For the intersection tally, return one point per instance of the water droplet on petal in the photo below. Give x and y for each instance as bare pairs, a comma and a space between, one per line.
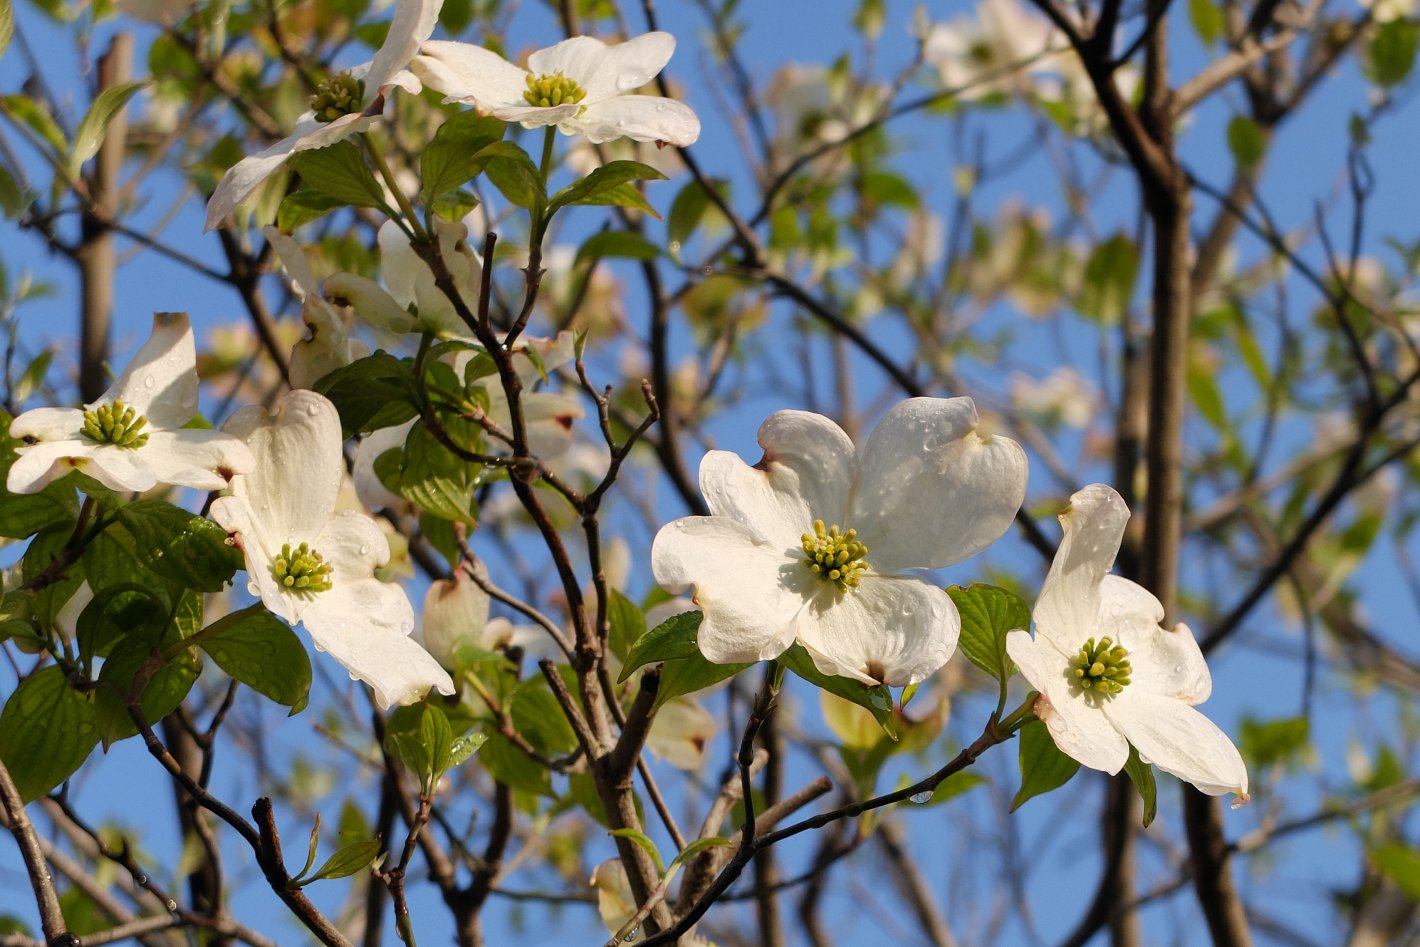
150, 382
364, 550
631, 80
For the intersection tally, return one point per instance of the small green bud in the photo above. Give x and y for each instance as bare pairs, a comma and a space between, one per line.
339, 95
117, 424
1101, 668
302, 569
546, 91
835, 556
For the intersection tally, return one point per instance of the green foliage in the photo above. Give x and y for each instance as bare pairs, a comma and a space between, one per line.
340, 171
1110, 274
512, 173
186, 549
1141, 774
1247, 142
136, 668
1043, 766
256, 648
607, 186
1264, 743
688, 211
988, 613
421, 737
47, 730
684, 669
1207, 19
876, 698
1401, 865
617, 243
92, 128
628, 624
304, 206
346, 860
447, 164
1391, 55
373, 392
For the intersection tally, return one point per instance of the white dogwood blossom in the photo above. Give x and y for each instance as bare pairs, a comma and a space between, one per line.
810, 543
345, 104
132, 438
580, 85
312, 565
1108, 674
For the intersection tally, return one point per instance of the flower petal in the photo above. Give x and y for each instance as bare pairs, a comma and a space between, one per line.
805, 474
48, 424
365, 626
1179, 740
638, 117
247, 174
160, 381
932, 491
373, 494
413, 23
203, 460
679, 734
894, 630
455, 616
606, 71
469, 73
370, 301
293, 261
1068, 610
1078, 727
749, 590
233, 514
1164, 662
39, 465
292, 487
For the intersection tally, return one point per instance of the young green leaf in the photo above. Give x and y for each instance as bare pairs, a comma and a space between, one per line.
94, 125
47, 730
346, 861
340, 171
255, 647
671, 640
370, 393
1110, 273
602, 181
646, 845
1043, 766
1141, 774
988, 614
628, 624
447, 163
878, 699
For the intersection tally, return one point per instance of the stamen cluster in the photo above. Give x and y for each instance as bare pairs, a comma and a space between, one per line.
117, 424
302, 569
1101, 667
546, 91
339, 95
835, 556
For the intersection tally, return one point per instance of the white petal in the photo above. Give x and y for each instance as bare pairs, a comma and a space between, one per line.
48, 424
894, 630
234, 515
38, 465
373, 494
534, 116
1179, 740
203, 460
118, 468
470, 73
160, 381
365, 626
1068, 610
326, 348
247, 174
292, 488
638, 117
606, 71
370, 301
750, 592
455, 614
1079, 729
293, 261
805, 474
932, 491
680, 733
413, 23
1164, 662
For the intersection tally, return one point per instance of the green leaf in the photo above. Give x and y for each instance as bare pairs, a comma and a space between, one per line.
644, 843
23, 515
602, 181
513, 768
370, 393
617, 243
339, 170
15, 199
1265, 743
255, 647
988, 613
167, 684
695, 673
1110, 273
7, 25
512, 172
539, 718
1141, 774
175, 544
687, 211
428, 475
447, 163
304, 206
1246, 141
345, 862
671, 640
463, 748
115, 612
628, 624
92, 128
622, 195
1401, 864
1391, 56
1207, 20
1043, 766
877, 699
29, 111
420, 736
47, 730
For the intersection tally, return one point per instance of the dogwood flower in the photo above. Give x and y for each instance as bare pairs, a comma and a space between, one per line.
345, 104
329, 345
579, 85
312, 565
809, 543
132, 438
1108, 674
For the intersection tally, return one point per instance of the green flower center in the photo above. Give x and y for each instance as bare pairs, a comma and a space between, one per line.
302, 569
548, 90
1101, 668
117, 424
339, 95
834, 555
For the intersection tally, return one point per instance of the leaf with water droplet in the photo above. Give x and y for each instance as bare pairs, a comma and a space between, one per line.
877, 699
